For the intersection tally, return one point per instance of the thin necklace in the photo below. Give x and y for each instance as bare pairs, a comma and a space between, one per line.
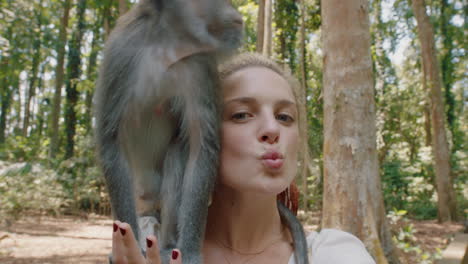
229, 262
253, 254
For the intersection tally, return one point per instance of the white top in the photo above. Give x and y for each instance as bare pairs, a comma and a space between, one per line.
332, 246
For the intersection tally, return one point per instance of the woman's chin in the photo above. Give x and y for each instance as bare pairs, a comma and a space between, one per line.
273, 186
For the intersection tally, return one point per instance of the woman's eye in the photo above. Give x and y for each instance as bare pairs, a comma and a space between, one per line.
285, 118
240, 116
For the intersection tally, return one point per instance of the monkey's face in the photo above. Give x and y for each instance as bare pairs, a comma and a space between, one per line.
214, 22
260, 134
225, 23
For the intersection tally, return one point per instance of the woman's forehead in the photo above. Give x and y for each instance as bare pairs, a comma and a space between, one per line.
254, 80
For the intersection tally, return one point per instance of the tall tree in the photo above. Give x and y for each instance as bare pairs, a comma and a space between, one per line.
6, 93
91, 68
267, 37
5, 90
73, 77
446, 194
37, 42
448, 69
303, 79
260, 25
59, 74
42, 106
352, 198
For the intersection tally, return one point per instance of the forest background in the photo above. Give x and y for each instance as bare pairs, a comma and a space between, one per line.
49, 58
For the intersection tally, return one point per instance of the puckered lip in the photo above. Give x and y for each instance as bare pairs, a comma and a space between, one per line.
272, 155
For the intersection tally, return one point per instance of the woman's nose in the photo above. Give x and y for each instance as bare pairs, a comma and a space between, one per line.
269, 130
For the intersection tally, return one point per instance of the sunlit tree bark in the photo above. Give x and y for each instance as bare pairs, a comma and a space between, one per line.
352, 198
446, 194
267, 39
59, 74
260, 25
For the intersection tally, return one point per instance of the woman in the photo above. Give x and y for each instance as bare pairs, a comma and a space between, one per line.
263, 127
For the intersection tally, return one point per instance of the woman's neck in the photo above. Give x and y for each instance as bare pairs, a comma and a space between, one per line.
245, 222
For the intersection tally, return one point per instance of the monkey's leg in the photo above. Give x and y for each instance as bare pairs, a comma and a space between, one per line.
173, 171
297, 232
197, 188
119, 184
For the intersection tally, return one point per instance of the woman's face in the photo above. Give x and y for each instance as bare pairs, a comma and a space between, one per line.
260, 132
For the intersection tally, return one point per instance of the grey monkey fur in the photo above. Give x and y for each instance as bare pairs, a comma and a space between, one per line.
157, 108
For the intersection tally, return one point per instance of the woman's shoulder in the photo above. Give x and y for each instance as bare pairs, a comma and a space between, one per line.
335, 246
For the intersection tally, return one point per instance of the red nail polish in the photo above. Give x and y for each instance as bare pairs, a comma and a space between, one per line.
122, 231
175, 254
149, 243
115, 227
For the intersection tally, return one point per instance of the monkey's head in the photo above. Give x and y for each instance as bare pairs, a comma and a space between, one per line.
214, 24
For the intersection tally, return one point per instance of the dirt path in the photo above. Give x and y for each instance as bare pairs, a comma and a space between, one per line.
56, 240
66, 239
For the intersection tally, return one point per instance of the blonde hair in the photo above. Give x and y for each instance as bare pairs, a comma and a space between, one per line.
246, 60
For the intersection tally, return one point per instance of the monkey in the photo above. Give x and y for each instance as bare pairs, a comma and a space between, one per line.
157, 115
157, 111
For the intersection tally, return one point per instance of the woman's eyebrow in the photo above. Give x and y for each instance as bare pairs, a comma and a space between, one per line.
285, 103
242, 100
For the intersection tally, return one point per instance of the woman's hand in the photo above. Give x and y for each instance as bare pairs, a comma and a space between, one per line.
125, 249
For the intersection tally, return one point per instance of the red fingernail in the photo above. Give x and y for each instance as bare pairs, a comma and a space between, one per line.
122, 231
175, 254
115, 227
149, 243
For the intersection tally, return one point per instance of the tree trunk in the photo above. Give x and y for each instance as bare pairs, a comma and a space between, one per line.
123, 7
91, 71
267, 39
107, 19
73, 77
5, 101
448, 69
352, 198
260, 25
446, 195
427, 112
35, 65
303, 80
42, 105
59, 72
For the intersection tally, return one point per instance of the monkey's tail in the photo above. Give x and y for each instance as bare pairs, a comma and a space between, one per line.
297, 232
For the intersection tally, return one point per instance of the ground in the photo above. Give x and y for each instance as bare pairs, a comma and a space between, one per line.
72, 239
63, 239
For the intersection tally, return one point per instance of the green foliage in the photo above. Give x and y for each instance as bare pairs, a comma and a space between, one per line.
249, 11
410, 186
286, 21
82, 180
395, 185
404, 238
73, 185
25, 187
